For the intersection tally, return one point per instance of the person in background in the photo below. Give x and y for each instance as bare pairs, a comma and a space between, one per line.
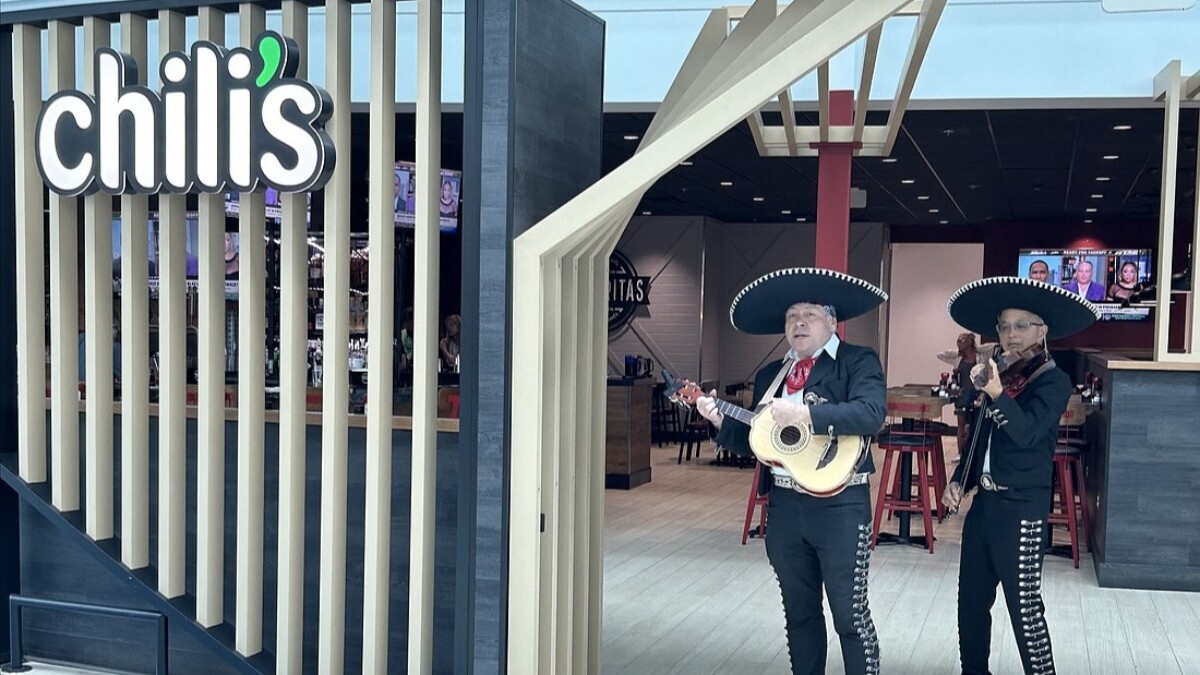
1127, 283
1039, 270
449, 346
406, 340
449, 202
1011, 462
1083, 284
966, 405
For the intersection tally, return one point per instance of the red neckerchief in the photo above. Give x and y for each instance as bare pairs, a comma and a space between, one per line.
799, 375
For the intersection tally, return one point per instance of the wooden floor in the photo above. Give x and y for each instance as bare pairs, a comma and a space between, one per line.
682, 595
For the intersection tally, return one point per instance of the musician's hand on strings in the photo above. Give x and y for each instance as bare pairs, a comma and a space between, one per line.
707, 407
789, 414
952, 497
993, 388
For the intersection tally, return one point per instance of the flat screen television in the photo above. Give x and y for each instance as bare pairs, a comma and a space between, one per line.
405, 186
1110, 278
192, 254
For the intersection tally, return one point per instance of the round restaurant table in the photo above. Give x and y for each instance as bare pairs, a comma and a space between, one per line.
909, 394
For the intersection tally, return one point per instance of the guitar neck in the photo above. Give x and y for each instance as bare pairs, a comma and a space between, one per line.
736, 412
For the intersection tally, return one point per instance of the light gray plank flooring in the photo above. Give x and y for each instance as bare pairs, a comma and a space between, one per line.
682, 595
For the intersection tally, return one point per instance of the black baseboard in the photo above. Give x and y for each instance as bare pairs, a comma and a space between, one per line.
622, 481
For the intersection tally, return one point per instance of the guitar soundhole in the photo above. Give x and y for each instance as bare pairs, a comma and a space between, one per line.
790, 435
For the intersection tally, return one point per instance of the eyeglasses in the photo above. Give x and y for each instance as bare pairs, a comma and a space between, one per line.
1019, 327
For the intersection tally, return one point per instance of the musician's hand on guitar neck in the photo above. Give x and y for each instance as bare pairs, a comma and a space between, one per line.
707, 407
789, 414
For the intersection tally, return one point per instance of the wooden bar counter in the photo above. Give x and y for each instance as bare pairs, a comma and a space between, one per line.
627, 441
1142, 470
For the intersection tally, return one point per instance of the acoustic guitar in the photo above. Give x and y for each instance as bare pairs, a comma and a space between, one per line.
821, 465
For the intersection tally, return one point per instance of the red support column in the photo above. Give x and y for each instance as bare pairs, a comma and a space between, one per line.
833, 188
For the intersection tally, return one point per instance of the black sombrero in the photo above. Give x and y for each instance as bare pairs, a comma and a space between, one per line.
760, 308
977, 305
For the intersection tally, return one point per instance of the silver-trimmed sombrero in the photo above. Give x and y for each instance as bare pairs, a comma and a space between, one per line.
976, 305
760, 307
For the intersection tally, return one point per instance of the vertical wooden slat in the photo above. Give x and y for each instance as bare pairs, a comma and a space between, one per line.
172, 396
335, 393
97, 269
293, 333
135, 346
1167, 81
210, 423
31, 241
381, 215
64, 304
425, 315
598, 414
252, 337
551, 457
565, 557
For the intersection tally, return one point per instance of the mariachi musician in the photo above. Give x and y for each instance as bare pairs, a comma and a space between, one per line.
1010, 460
838, 388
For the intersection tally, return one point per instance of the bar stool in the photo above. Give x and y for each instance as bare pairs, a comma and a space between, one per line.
693, 436
759, 501
920, 443
1070, 487
937, 463
664, 416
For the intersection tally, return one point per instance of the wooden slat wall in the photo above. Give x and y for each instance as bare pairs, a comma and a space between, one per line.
64, 302
171, 431
252, 336
380, 172
293, 332
425, 320
210, 436
97, 288
336, 383
135, 346
172, 397
31, 239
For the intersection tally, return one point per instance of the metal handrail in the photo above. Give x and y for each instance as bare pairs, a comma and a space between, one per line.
16, 602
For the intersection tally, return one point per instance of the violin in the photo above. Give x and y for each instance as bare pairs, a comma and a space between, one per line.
1016, 369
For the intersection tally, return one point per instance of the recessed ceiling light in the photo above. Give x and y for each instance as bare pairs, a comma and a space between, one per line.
1112, 157
908, 181
630, 137
686, 162
922, 197
801, 220
645, 213
786, 212
726, 183
1090, 209
1122, 127
1102, 178
944, 222
889, 160
933, 210
758, 199
1097, 196
1087, 220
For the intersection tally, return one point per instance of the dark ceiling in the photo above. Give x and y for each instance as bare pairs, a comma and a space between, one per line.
971, 166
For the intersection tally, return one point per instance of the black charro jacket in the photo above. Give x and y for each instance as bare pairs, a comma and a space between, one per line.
1024, 431
856, 394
